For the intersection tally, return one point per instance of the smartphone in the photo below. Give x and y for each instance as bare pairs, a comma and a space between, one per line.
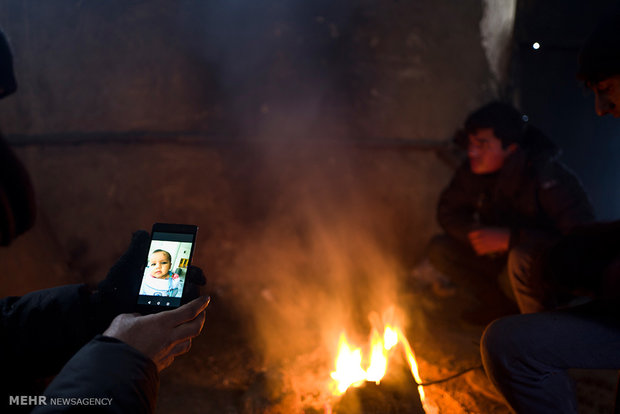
165, 270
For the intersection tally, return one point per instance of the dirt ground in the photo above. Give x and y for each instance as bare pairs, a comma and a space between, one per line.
223, 373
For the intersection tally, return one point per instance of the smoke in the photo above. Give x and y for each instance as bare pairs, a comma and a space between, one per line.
312, 265
318, 263
271, 58
319, 258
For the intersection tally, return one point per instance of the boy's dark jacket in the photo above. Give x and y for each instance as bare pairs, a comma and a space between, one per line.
533, 194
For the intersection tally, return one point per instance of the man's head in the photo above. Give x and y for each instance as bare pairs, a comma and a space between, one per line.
494, 132
599, 65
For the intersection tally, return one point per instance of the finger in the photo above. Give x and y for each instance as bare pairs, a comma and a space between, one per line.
188, 330
196, 276
164, 363
186, 312
181, 348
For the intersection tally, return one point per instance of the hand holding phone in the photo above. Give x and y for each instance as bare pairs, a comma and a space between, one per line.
164, 336
164, 280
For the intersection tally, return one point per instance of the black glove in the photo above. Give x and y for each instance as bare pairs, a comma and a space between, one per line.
118, 292
194, 279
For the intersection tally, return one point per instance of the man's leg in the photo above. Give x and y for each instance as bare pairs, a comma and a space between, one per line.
458, 260
526, 356
526, 280
474, 274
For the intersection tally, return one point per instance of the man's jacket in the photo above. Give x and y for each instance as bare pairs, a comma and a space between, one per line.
52, 335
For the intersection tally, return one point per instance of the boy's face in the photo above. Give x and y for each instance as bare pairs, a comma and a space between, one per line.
607, 96
485, 152
159, 265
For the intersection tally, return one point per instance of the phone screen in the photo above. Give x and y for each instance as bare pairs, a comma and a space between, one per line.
165, 271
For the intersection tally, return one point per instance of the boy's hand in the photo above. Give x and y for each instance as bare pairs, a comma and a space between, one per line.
489, 240
161, 336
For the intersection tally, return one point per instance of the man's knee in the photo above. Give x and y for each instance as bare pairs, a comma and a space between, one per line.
500, 343
520, 259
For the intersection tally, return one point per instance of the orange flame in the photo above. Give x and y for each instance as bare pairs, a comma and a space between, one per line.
350, 373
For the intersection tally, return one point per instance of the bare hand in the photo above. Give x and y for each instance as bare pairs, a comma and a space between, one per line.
489, 240
161, 336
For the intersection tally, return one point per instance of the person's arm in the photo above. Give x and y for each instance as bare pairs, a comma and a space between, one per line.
456, 207
17, 199
120, 369
41, 330
563, 199
566, 201
586, 261
107, 373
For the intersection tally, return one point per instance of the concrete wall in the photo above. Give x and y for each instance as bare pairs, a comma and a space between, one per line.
408, 69
278, 97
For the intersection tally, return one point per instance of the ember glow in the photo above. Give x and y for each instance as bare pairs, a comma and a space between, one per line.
350, 370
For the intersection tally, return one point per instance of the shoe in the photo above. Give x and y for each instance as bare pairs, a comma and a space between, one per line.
426, 275
443, 289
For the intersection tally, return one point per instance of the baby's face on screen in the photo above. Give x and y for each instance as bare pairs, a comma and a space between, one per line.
159, 264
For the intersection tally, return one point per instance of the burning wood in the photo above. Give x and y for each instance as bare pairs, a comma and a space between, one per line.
349, 363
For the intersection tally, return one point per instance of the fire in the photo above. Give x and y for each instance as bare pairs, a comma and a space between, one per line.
348, 367
349, 371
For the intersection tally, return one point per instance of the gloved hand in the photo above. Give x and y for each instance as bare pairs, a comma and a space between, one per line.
118, 292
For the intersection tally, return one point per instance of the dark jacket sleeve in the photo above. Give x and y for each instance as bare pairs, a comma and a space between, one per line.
456, 207
586, 261
41, 330
106, 375
563, 199
17, 200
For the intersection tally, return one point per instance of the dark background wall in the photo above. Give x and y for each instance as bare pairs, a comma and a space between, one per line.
372, 68
238, 116
553, 98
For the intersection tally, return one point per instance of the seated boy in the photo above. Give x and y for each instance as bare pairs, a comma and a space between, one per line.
509, 200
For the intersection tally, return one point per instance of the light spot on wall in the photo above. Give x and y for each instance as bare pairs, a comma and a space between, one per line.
496, 29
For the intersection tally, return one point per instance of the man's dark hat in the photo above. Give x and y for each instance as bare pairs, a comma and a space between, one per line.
599, 58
